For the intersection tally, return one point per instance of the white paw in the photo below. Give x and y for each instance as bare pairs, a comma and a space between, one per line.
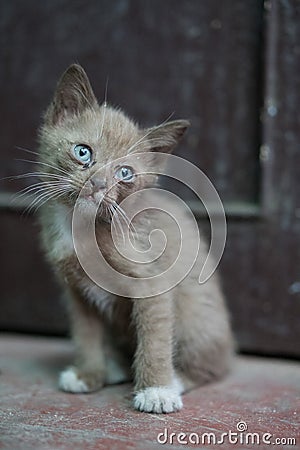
68, 381
158, 400
177, 384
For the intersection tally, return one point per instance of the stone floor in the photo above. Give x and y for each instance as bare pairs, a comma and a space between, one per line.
260, 396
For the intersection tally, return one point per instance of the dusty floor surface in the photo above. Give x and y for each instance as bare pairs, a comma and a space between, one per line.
261, 395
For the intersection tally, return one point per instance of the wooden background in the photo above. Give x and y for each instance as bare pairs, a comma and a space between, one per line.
232, 67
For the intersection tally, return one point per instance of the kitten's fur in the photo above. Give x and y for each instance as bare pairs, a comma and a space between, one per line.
168, 343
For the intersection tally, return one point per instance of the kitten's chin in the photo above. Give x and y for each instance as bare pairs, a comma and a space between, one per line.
87, 206
91, 208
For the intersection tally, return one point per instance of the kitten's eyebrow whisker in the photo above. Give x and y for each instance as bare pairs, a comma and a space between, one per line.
82, 94
152, 140
92, 106
103, 120
166, 120
138, 142
106, 90
26, 150
149, 132
104, 105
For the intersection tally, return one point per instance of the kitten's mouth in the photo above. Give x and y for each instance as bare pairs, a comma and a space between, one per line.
95, 198
96, 201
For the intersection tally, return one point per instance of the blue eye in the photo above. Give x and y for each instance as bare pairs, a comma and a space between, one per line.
83, 153
125, 173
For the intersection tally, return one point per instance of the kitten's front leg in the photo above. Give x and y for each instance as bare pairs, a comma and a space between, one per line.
88, 374
157, 390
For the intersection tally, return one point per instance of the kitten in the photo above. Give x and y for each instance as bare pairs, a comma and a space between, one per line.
168, 343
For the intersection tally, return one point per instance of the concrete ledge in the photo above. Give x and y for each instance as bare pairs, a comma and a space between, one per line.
260, 394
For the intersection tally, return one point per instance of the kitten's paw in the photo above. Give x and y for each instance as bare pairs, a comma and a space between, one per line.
72, 380
158, 400
69, 381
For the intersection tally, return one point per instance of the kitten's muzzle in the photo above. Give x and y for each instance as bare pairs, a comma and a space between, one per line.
98, 183
93, 186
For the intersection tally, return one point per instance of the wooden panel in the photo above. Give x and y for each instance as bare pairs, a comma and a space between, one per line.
198, 59
262, 260
204, 61
260, 272
30, 298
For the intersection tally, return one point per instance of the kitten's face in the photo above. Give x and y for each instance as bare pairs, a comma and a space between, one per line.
90, 151
86, 151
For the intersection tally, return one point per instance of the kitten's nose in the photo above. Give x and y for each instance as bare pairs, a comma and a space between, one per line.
98, 183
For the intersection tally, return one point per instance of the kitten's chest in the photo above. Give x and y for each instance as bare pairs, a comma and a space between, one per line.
57, 232
92, 245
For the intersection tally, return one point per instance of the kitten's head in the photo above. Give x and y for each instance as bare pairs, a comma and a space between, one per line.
88, 151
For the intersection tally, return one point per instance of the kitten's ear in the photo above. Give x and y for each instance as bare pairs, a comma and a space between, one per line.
164, 138
72, 96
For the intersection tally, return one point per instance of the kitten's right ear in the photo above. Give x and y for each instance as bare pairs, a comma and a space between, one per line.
72, 96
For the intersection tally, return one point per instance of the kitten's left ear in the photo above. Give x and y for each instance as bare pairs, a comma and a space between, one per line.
164, 138
72, 96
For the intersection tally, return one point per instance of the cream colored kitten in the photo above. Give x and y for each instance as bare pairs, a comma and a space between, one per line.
167, 343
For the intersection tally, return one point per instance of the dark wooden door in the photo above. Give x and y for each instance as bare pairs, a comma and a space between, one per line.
232, 68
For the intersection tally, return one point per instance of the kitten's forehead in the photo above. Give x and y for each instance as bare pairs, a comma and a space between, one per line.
107, 130
108, 126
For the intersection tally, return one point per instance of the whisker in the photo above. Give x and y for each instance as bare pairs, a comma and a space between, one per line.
92, 106
106, 90
103, 119
26, 150
123, 215
37, 190
111, 214
75, 183
45, 191
44, 164
40, 175
151, 140
38, 186
138, 142
114, 216
82, 94
147, 134
37, 203
126, 218
36, 174
74, 194
54, 196
104, 112
50, 193
50, 180
31, 205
